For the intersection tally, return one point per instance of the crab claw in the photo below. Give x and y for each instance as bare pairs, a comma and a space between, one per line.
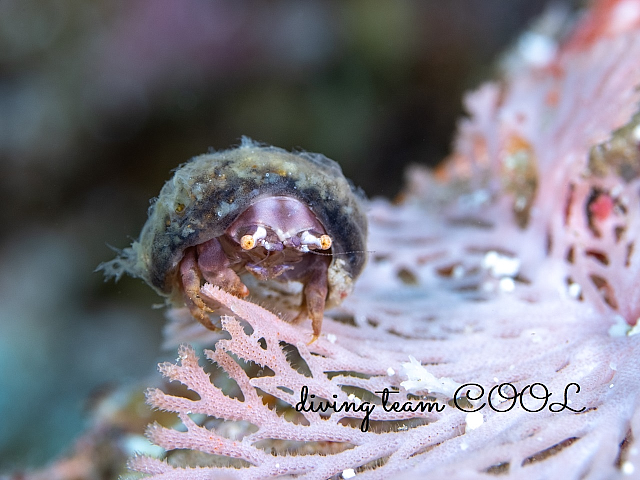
207, 260
215, 267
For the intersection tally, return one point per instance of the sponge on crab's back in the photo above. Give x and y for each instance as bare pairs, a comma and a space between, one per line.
208, 193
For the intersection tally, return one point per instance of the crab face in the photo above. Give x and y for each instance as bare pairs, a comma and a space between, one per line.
275, 238
287, 229
273, 224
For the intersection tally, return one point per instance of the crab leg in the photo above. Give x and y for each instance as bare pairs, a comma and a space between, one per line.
190, 277
314, 297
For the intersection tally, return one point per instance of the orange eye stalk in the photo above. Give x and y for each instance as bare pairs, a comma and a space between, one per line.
325, 242
247, 242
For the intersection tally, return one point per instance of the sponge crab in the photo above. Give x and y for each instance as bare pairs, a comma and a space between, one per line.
286, 228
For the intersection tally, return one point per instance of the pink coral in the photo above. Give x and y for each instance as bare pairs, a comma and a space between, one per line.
522, 269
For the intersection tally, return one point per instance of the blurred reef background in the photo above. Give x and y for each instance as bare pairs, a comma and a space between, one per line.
100, 100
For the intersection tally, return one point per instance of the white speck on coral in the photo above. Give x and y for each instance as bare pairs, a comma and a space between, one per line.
391, 371
489, 259
332, 338
419, 379
463, 446
474, 420
488, 287
620, 328
613, 366
617, 190
625, 15
535, 336
277, 465
348, 473
635, 329
495, 379
507, 284
458, 271
474, 200
536, 49
628, 468
360, 319
575, 290
611, 386
520, 203
501, 265
624, 200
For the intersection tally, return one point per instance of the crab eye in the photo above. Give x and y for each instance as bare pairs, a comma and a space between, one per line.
247, 242
325, 242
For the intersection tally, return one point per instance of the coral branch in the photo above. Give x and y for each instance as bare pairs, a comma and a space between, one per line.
514, 284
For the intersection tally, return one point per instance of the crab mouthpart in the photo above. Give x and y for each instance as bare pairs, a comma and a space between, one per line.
269, 271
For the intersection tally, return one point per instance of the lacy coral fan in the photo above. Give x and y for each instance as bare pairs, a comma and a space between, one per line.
521, 269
